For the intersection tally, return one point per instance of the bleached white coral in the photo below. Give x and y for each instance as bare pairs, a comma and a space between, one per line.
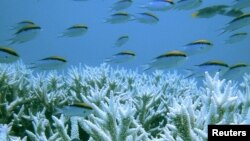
113, 121
127, 105
4, 132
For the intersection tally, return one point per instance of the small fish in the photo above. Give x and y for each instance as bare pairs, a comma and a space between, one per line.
237, 23
213, 63
147, 18
167, 60
210, 66
121, 5
209, 12
8, 55
21, 24
75, 139
237, 37
119, 17
214, 10
122, 40
197, 47
236, 71
240, 4
25, 34
187, 4
159, 5
49, 63
75, 31
121, 57
76, 109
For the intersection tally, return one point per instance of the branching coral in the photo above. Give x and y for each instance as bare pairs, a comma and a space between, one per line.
113, 121
127, 105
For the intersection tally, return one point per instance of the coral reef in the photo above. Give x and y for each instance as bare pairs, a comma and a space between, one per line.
127, 105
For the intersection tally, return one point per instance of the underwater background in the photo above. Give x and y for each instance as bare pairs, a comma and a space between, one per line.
75, 70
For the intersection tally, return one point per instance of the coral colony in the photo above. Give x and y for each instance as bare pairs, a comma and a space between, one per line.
107, 104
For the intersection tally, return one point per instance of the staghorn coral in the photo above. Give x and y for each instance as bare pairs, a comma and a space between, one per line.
127, 105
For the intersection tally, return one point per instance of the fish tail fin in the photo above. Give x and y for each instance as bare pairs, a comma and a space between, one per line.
133, 18
188, 76
222, 31
11, 41
190, 72
145, 67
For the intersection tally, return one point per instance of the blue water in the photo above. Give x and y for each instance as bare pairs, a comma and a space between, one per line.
174, 29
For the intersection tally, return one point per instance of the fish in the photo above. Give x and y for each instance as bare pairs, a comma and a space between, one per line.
49, 63
121, 57
78, 109
8, 55
237, 23
118, 17
237, 37
75, 139
210, 66
240, 4
147, 18
159, 5
25, 34
121, 5
197, 47
209, 12
187, 4
122, 40
167, 60
21, 24
75, 31
236, 71
214, 10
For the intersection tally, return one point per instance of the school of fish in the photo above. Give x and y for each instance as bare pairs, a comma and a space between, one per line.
27, 30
